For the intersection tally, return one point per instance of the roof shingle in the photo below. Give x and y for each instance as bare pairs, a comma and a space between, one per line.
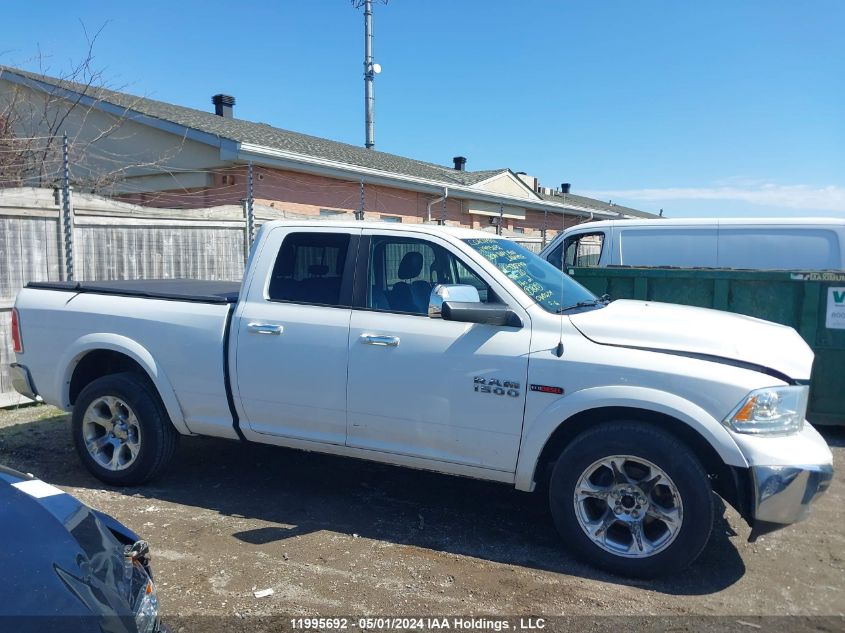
242, 131
263, 134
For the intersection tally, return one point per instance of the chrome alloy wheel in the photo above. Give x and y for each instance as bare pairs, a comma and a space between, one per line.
111, 433
628, 506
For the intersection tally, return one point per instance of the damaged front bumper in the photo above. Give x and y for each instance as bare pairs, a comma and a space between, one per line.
782, 494
782, 478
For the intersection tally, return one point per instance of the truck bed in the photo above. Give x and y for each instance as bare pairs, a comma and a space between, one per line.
175, 329
197, 290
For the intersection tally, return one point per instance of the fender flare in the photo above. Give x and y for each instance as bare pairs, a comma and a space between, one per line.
538, 431
134, 350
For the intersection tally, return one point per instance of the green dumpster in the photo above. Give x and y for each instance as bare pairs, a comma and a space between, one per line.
811, 302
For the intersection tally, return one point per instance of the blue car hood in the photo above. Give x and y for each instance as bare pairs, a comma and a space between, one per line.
60, 561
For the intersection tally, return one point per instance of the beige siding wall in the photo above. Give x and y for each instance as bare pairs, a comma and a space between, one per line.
102, 143
508, 185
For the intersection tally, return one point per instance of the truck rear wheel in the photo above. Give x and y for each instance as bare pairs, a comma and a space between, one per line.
632, 499
121, 429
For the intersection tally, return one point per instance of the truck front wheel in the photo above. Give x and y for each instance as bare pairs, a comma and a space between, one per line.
632, 499
121, 429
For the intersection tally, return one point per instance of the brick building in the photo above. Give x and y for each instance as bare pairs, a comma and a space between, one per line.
173, 156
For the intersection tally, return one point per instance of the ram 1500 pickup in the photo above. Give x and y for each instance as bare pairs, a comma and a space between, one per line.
450, 350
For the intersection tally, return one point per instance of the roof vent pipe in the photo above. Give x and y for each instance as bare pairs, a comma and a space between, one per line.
564, 187
223, 105
460, 163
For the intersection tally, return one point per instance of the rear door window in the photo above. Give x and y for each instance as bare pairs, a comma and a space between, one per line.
310, 268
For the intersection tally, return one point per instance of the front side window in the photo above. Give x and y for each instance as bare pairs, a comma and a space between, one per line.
537, 278
584, 250
309, 268
403, 272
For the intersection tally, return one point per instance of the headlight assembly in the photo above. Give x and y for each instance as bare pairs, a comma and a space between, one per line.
770, 411
146, 606
143, 598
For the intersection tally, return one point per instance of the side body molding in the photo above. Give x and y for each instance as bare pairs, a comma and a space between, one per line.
134, 350
536, 432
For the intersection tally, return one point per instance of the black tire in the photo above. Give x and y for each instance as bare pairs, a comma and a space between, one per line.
158, 437
667, 453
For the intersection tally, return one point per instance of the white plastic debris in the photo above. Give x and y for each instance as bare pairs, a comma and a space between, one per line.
263, 593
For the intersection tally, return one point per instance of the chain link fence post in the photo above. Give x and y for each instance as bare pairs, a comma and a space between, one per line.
359, 213
66, 217
249, 213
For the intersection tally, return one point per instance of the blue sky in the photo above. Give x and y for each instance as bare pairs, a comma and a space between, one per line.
699, 108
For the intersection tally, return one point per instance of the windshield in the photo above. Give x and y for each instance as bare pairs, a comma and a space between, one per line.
545, 284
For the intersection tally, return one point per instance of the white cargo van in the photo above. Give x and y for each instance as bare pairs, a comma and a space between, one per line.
752, 243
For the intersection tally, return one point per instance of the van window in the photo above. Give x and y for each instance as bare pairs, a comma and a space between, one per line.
309, 268
583, 249
788, 248
682, 247
554, 258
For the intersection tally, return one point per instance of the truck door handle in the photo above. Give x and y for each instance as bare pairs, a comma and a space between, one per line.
265, 328
384, 341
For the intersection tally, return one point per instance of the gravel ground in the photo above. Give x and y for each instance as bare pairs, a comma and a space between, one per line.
338, 536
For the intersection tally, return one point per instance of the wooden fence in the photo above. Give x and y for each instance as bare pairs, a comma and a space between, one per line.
116, 240
112, 240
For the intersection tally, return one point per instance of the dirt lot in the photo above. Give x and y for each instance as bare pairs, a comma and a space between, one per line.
335, 536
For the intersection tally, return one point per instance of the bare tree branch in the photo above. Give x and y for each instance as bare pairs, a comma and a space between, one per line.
32, 123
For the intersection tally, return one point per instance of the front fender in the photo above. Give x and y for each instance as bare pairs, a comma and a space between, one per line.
538, 431
134, 350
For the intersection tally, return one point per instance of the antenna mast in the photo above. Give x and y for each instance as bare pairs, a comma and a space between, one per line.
371, 69
369, 75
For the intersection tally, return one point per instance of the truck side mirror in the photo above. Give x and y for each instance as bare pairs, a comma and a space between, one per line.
450, 292
453, 302
483, 313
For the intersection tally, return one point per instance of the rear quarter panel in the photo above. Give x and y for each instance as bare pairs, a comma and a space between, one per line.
179, 344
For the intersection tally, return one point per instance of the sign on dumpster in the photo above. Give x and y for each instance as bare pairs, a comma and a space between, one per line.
835, 308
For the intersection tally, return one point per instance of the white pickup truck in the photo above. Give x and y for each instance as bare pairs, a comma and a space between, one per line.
450, 350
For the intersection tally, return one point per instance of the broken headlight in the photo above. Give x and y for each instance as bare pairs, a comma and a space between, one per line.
142, 599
